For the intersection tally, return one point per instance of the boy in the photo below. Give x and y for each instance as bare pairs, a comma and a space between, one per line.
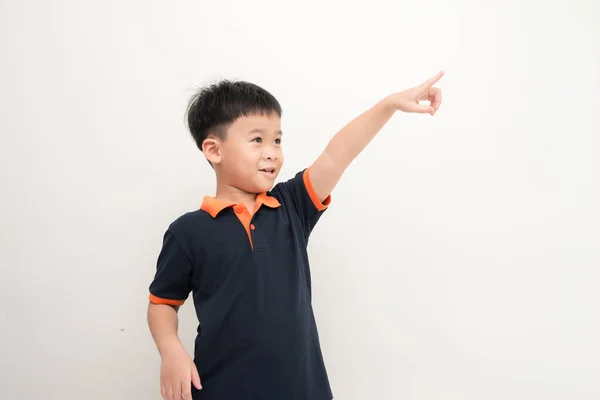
243, 253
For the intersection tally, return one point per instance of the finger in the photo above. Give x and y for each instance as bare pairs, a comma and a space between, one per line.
177, 391
170, 392
433, 80
426, 95
164, 393
186, 391
423, 109
436, 98
196, 378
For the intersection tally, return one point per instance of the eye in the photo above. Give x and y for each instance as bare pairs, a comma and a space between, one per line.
257, 140
277, 141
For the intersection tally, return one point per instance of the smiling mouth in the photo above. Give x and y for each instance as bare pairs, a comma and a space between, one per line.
269, 171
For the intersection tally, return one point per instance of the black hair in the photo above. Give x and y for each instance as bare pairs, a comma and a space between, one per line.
214, 107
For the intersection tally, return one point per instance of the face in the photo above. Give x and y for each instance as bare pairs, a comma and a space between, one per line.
250, 157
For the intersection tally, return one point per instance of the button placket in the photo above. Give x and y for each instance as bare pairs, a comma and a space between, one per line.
251, 225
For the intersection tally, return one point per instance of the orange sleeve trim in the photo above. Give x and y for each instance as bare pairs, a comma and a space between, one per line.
313, 195
160, 300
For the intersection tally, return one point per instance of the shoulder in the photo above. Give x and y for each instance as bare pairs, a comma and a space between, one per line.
299, 189
188, 232
189, 223
283, 188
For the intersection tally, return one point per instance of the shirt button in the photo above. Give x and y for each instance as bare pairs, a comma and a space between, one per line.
238, 210
252, 227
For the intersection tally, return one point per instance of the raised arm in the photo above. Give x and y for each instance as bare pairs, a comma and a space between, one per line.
350, 141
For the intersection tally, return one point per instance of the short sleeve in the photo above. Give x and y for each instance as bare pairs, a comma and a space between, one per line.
172, 280
299, 193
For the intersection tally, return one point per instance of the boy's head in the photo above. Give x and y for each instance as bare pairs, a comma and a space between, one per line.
237, 125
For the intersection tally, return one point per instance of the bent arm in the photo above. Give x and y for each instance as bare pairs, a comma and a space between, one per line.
163, 322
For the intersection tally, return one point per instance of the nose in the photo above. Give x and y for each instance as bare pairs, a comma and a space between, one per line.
271, 154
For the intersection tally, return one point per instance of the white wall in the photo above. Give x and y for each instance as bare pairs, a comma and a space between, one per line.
460, 258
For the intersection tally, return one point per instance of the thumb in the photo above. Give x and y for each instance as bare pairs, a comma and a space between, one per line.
424, 109
196, 378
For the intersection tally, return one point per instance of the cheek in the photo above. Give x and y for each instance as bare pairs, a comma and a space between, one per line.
249, 158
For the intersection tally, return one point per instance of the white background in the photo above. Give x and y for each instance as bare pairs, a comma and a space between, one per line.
459, 259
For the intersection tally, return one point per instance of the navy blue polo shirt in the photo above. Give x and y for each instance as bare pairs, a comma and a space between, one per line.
250, 280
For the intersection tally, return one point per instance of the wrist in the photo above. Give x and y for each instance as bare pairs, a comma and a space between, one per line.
387, 104
169, 347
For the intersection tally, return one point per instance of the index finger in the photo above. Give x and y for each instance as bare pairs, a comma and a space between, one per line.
432, 81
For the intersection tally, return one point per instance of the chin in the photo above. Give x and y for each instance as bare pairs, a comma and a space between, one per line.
265, 187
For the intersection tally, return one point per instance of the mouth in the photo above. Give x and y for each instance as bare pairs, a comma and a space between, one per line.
268, 171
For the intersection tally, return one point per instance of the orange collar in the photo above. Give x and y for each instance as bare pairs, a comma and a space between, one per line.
214, 206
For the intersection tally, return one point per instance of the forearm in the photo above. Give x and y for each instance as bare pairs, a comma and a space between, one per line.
343, 148
346, 145
352, 139
163, 323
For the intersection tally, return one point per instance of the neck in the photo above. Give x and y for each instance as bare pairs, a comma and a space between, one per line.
231, 193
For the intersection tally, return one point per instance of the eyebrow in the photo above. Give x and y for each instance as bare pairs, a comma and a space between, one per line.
257, 130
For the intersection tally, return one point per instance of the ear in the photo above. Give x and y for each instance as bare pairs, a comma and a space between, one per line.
212, 150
